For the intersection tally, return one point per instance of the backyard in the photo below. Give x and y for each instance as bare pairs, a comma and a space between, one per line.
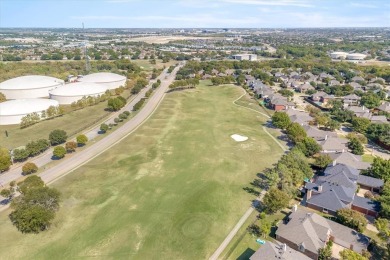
171, 190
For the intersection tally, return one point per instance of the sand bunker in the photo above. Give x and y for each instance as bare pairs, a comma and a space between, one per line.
239, 138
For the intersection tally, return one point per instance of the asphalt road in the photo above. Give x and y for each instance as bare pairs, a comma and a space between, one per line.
93, 149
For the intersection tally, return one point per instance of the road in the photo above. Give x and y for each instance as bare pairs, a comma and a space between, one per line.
67, 165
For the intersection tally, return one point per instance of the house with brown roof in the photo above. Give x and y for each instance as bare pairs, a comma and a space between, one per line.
308, 232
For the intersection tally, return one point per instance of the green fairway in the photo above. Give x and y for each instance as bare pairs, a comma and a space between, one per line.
171, 190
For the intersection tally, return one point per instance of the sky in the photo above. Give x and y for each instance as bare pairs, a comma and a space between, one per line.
194, 13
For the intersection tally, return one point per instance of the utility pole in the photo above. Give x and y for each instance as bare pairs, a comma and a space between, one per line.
87, 64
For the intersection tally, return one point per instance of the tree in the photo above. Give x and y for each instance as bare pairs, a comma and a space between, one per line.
29, 168
380, 169
281, 120
322, 161
6, 193
355, 146
5, 159
265, 228
115, 104
360, 124
370, 100
31, 182
81, 139
103, 128
383, 226
296, 133
20, 155
332, 125
35, 208
348, 254
57, 137
70, 146
326, 252
59, 152
275, 200
309, 146
36, 147
322, 120
254, 230
2, 97
352, 219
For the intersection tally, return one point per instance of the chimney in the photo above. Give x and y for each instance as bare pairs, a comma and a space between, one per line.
308, 194
294, 208
319, 188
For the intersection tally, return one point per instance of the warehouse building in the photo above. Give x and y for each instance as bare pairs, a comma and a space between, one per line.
33, 86
251, 57
12, 111
69, 93
107, 79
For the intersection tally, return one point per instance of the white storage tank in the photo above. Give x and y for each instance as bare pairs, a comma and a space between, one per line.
107, 79
34, 86
12, 111
69, 93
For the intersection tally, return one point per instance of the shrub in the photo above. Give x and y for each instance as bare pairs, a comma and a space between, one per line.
59, 152
103, 128
20, 155
127, 113
70, 146
82, 139
29, 168
116, 120
123, 116
36, 147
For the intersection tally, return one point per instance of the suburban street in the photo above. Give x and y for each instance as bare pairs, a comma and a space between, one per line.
94, 149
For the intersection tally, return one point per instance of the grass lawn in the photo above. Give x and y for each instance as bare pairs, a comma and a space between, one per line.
244, 244
69, 122
368, 158
171, 190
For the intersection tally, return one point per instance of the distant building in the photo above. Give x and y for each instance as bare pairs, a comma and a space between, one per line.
251, 57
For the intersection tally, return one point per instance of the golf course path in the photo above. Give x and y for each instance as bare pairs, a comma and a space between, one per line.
70, 164
250, 210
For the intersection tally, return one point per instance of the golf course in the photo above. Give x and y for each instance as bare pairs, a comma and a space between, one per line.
171, 190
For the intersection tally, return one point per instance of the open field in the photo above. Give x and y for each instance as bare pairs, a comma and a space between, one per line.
171, 190
69, 122
165, 39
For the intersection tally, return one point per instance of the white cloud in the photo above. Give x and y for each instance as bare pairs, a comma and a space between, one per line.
202, 20
362, 5
298, 3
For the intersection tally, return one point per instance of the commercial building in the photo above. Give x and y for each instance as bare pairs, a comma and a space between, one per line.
338, 55
12, 111
69, 93
34, 86
107, 79
251, 57
356, 56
